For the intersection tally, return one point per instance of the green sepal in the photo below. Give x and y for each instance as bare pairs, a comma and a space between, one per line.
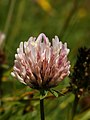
43, 94
54, 92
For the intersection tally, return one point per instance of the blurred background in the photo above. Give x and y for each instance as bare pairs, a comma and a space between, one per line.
20, 19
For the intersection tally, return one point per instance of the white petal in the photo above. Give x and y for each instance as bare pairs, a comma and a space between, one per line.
21, 47
12, 73
19, 78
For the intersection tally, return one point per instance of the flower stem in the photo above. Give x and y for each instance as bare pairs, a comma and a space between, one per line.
42, 109
75, 103
9, 17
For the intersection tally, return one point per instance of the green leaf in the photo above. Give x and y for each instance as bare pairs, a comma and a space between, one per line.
6, 115
43, 94
54, 92
83, 115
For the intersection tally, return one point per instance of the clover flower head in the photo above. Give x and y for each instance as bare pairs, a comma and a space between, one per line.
41, 64
80, 78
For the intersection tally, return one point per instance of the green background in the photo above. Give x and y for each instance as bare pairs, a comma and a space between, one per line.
20, 19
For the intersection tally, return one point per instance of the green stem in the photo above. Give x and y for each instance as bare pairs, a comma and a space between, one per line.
42, 109
9, 17
1, 91
75, 103
69, 17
